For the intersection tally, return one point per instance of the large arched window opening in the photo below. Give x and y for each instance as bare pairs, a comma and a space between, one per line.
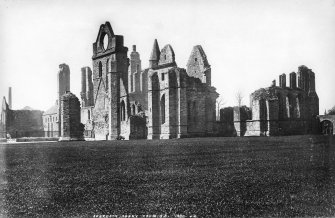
288, 109
123, 111
297, 107
100, 69
163, 109
291, 106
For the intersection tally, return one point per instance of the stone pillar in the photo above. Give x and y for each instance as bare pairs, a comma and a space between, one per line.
311, 82
237, 120
89, 87
63, 79
10, 97
282, 80
181, 106
71, 127
63, 87
293, 80
134, 67
303, 78
83, 87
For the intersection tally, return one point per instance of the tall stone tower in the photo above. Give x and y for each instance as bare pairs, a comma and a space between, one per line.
134, 70
110, 82
63, 86
86, 87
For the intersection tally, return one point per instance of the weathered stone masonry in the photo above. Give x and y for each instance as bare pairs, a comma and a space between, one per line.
52, 117
282, 110
110, 84
162, 101
179, 105
71, 127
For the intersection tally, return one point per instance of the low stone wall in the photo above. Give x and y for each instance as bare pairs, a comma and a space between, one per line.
37, 139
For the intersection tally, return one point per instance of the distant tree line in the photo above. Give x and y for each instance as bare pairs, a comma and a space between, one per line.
331, 111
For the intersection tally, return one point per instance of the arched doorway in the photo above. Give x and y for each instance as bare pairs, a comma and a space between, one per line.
327, 127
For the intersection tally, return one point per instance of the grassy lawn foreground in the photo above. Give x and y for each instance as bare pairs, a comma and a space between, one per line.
213, 177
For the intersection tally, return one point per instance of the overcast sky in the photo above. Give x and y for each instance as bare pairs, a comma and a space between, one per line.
248, 43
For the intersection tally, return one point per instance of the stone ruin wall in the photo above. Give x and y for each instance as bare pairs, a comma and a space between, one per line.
197, 107
279, 110
101, 100
71, 127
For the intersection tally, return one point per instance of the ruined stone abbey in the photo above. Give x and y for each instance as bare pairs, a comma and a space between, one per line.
281, 110
120, 100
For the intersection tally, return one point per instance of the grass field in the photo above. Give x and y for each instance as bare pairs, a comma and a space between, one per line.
207, 177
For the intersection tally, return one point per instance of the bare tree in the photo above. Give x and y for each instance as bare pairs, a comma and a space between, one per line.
219, 104
239, 98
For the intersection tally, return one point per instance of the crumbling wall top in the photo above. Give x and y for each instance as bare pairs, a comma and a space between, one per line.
264, 93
